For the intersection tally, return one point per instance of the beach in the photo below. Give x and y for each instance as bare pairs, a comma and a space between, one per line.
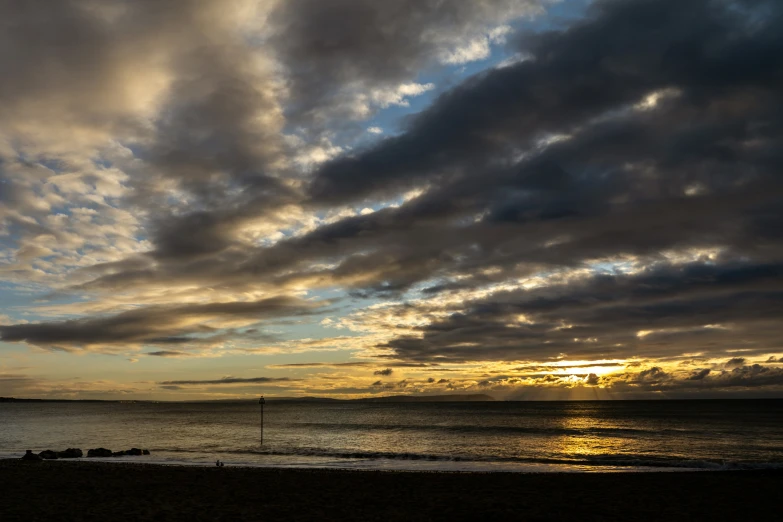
85, 491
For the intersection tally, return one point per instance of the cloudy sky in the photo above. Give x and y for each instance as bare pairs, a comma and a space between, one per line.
534, 199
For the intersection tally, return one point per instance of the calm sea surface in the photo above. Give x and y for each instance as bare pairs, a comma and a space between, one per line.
499, 436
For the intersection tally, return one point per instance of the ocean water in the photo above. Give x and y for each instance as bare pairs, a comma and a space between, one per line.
471, 436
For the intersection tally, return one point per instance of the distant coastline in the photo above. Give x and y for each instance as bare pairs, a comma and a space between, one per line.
385, 399
389, 398
14, 399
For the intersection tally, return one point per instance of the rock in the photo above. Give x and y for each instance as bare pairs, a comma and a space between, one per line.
103, 452
48, 455
70, 453
133, 452
29, 455
99, 452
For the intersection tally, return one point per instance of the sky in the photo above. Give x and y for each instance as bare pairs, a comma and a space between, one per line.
530, 199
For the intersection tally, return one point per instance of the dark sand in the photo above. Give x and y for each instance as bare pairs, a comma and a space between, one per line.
118, 492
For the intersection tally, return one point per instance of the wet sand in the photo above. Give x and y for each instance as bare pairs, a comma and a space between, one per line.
31, 491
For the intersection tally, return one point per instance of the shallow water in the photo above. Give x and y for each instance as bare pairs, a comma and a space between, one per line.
486, 436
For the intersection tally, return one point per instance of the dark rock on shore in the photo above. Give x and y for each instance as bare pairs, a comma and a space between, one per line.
70, 453
134, 452
29, 455
99, 452
76, 453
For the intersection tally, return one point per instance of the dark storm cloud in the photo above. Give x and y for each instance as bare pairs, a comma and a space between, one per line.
330, 46
698, 171
401, 385
549, 368
618, 186
10, 377
229, 380
386, 372
527, 225
735, 362
623, 52
751, 376
699, 375
191, 235
322, 365
155, 324
347, 365
220, 139
167, 353
592, 379
659, 312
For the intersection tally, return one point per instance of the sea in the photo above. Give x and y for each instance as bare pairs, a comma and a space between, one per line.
440, 436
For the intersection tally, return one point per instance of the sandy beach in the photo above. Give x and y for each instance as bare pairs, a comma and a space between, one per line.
83, 491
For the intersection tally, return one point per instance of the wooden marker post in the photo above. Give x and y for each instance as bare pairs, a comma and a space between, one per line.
261, 403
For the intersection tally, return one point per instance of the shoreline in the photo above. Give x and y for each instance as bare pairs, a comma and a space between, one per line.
403, 466
89, 490
294, 467
425, 465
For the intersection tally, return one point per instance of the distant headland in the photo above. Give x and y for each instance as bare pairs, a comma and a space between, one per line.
389, 398
14, 399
